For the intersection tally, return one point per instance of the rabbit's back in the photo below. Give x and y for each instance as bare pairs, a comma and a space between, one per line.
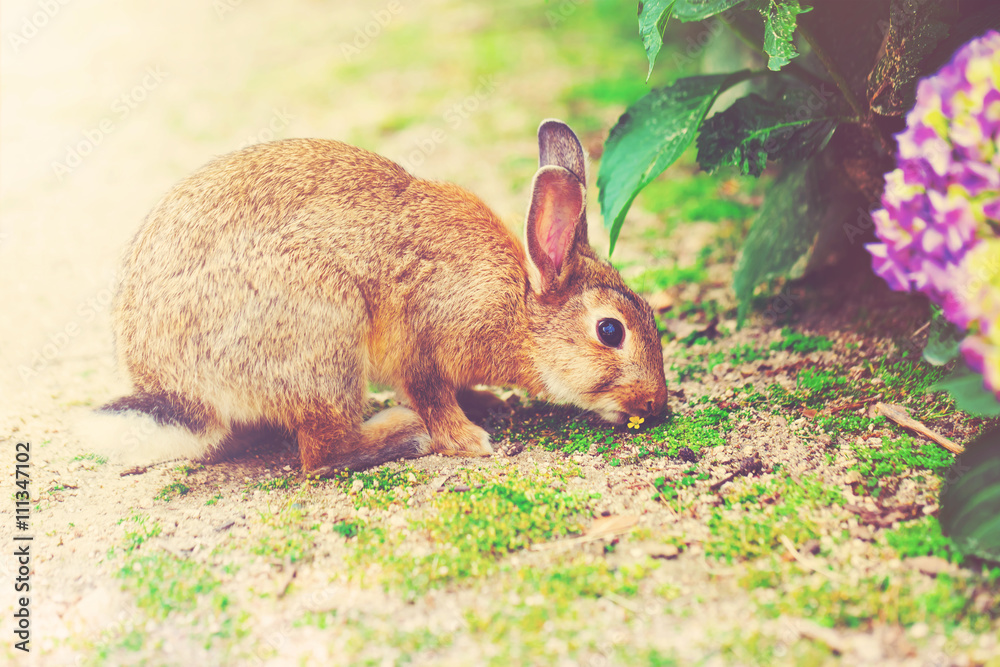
251, 274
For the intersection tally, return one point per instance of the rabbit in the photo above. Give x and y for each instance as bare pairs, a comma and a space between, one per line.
268, 289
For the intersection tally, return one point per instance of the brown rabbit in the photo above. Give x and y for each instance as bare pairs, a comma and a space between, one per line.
268, 288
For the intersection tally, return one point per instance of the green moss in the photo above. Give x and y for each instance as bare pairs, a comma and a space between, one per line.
465, 537
286, 536
164, 584
903, 598
380, 487
881, 463
273, 484
700, 429
753, 518
669, 489
96, 458
545, 607
922, 538
171, 491
797, 342
187, 469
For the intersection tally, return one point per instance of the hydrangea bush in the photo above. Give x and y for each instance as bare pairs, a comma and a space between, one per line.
939, 224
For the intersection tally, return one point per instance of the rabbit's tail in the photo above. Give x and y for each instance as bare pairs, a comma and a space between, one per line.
145, 428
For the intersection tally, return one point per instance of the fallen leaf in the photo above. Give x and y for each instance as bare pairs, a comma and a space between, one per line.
606, 526
931, 565
883, 517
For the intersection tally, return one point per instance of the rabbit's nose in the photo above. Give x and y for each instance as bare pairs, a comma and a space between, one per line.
655, 405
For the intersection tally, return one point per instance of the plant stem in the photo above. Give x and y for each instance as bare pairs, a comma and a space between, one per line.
834, 72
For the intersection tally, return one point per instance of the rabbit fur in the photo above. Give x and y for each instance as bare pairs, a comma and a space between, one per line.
270, 287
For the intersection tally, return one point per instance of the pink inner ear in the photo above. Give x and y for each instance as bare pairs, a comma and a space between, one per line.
561, 206
557, 234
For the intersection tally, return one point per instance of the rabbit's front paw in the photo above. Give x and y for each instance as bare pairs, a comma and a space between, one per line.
463, 440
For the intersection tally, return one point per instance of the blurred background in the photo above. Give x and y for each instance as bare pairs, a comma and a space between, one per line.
106, 104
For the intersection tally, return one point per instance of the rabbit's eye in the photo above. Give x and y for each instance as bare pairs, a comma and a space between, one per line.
610, 332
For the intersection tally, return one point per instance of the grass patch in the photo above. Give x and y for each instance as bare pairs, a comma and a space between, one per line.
288, 536
795, 341
922, 538
698, 430
540, 618
881, 464
468, 531
754, 517
171, 491
96, 458
903, 598
273, 484
669, 489
380, 487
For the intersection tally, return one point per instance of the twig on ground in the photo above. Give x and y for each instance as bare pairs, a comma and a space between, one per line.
901, 416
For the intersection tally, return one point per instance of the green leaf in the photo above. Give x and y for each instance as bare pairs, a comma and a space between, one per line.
798, 225
649, 137
753, 129
966, 387
696, 10
915, 29
943, 339
653, 17
779, 29
970, 500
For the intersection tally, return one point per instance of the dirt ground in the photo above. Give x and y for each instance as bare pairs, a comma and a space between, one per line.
104, 106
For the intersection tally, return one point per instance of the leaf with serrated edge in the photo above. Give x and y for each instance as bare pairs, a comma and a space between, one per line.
753, 129
653, 17
970, 501
779, 29
696, 10
649, 137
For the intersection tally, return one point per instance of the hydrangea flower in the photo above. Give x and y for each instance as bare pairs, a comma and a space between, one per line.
940, 218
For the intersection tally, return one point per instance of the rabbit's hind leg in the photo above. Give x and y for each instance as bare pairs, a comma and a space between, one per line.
328, 443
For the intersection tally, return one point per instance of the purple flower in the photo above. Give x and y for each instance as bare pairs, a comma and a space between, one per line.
942, 202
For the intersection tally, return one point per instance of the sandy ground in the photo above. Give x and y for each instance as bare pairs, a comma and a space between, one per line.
104, 105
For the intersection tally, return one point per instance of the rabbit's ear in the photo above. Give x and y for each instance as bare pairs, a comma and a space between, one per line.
553, 229
558, 145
